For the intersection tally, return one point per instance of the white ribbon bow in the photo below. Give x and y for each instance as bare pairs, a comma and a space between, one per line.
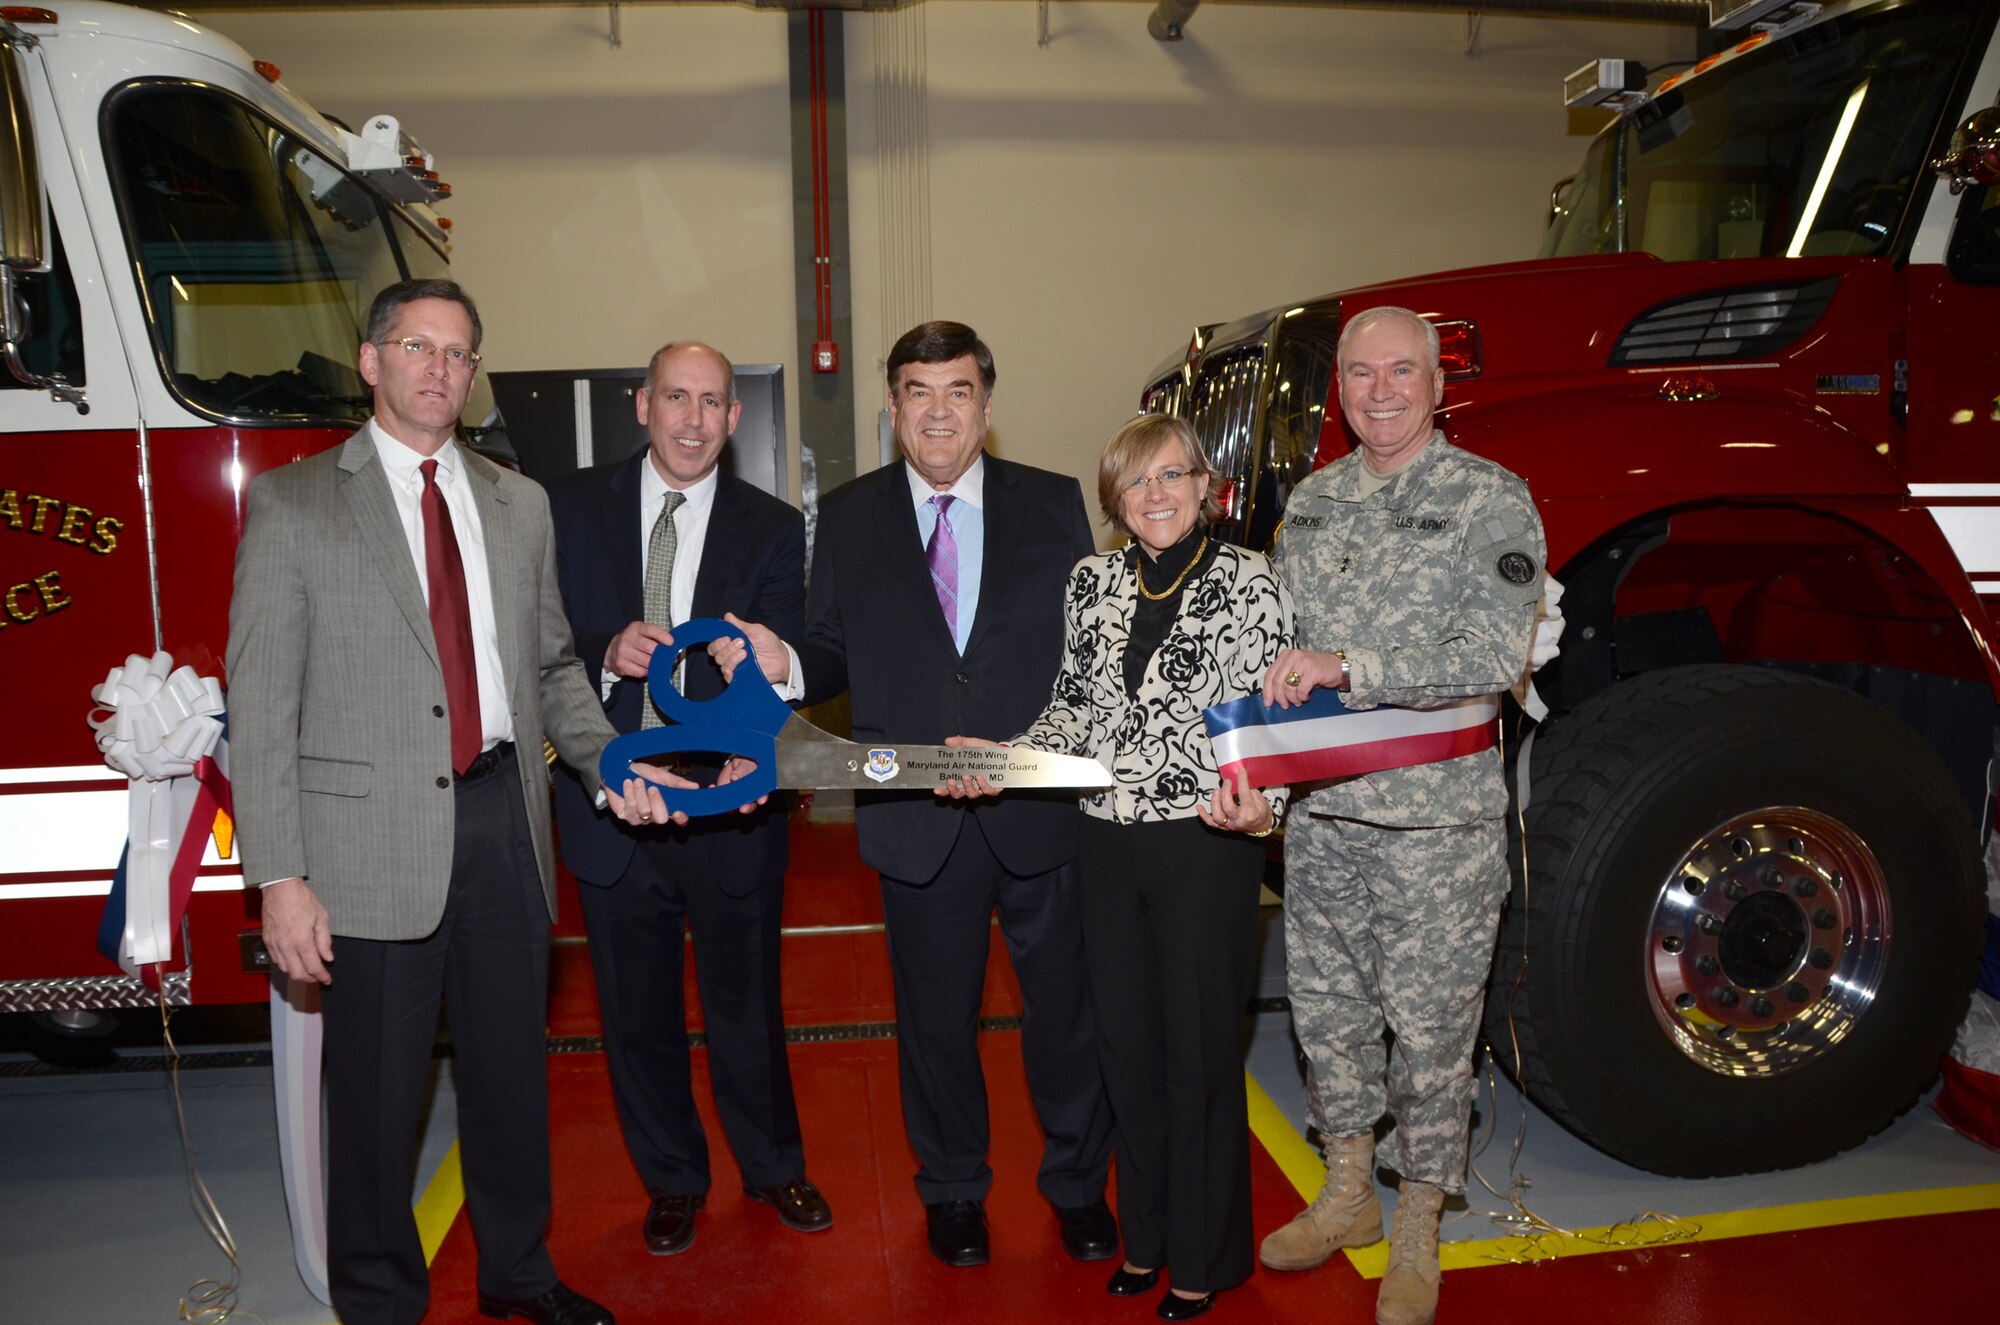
155, 721
1546, 644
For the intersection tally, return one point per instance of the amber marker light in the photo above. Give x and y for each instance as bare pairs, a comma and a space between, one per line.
269, 72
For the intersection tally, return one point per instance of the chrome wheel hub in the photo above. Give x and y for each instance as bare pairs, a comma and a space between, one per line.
1768, 941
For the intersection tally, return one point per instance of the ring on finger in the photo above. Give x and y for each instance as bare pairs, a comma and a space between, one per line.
1292, 678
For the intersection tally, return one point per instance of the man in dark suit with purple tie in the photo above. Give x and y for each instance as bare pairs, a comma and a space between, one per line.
937, 597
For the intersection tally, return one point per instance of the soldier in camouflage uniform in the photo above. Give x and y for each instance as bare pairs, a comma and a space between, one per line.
1416, 569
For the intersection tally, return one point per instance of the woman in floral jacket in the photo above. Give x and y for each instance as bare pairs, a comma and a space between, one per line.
1168, 860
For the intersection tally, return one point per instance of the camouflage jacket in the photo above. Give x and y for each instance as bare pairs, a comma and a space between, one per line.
1430, 587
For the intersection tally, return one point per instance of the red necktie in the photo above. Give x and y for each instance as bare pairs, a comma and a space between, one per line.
451, 623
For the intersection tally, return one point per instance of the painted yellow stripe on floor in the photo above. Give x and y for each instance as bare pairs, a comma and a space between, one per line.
438, 1206
1284, 1143
1303, 1168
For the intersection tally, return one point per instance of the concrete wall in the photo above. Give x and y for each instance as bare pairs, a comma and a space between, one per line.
1088, 202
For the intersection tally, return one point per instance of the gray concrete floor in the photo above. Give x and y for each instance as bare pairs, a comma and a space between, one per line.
97, 1224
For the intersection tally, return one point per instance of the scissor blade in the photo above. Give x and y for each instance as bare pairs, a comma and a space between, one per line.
826, 765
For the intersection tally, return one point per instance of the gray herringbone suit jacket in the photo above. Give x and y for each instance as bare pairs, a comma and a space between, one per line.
340, 751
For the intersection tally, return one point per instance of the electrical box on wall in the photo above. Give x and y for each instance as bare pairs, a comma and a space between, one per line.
826, 356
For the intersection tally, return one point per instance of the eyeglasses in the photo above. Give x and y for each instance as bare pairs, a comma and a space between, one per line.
1166, 478
423, 349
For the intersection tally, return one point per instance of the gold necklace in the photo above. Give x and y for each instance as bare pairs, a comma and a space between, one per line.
1168, 592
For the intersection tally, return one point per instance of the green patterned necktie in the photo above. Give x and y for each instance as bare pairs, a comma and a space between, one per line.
660, 585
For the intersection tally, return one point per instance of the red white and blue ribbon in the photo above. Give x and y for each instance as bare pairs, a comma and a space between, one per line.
164, 729
1323, 738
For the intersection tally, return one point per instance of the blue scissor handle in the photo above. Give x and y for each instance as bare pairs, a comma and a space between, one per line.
615, 768
743, 720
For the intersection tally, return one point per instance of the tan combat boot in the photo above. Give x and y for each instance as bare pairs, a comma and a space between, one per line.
1409, 1292
1344, 1214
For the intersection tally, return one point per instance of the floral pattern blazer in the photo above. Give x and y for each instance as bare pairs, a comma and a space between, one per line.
1233, 621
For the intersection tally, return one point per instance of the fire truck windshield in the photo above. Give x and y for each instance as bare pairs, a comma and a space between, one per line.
1807, 145
256, 255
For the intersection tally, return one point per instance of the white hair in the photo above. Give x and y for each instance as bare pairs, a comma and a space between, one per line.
1368, 316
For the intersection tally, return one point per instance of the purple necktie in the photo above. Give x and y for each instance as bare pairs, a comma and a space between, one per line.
942, 554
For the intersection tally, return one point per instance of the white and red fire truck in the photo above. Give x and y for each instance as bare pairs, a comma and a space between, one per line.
1754, 384
189, 253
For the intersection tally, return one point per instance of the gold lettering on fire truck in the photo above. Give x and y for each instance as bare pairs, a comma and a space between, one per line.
39, 597
38, 514
65, 521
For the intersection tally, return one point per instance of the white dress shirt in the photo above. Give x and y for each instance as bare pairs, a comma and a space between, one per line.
406, 485
690, 537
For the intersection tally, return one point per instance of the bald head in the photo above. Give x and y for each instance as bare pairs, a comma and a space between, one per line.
691, 347
688, 408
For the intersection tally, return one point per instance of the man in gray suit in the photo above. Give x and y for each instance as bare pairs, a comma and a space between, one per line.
397, 654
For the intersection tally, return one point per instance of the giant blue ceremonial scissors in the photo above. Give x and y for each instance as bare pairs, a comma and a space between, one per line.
748, 720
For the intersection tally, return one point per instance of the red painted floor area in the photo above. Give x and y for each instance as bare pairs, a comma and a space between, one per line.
872, 1266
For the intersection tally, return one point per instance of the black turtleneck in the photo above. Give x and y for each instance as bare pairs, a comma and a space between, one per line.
1154, 618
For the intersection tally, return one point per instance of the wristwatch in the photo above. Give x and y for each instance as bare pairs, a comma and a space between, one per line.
1346, 672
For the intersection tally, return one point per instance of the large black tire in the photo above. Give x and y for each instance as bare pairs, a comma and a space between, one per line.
1723, 863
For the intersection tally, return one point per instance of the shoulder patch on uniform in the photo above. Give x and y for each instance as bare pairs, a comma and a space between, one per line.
1516, 567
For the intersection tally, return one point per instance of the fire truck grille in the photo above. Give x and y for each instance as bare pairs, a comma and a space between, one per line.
1168, 397
1224, 406
1725, 324
100, 991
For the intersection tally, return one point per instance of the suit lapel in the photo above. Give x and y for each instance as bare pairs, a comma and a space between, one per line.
509, 571
711, 578
896, 520
374, 509
623, 550
1003, 538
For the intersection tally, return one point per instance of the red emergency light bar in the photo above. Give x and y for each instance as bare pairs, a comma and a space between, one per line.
27, 14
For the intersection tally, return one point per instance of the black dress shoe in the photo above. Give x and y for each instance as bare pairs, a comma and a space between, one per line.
1128, 1283
670, 1223
1175, 1307
1088, 1231
958, 1232
800, 1205
561, 1305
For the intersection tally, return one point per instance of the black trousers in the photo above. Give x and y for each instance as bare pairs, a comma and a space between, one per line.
638, 929
1170, 929
488, 961
939, 931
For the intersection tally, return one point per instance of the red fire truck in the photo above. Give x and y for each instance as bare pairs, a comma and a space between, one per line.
189, 252
1754, 383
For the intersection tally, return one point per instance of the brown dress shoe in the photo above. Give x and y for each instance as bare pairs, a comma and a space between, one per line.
670, 1223
800, 1205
